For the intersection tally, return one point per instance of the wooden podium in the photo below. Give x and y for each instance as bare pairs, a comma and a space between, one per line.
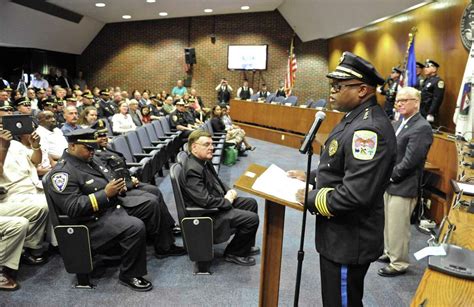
273, 226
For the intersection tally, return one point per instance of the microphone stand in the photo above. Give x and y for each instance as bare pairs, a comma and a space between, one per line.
309, 153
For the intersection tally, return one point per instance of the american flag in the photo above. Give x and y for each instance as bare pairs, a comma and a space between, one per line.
291, 69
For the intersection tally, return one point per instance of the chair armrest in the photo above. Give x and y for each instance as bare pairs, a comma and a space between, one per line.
159, 142
198, 211
134, 164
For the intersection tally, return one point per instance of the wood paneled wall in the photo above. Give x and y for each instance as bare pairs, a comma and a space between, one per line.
438, 38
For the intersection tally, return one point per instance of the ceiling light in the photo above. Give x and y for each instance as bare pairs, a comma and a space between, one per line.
100, 4
126, 16
208, 11
150, 1
245, 8
163, 14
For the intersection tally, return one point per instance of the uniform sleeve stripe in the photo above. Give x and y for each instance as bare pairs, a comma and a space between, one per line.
321, 202
95, 205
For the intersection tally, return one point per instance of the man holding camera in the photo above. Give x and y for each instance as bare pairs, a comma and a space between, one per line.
223, 90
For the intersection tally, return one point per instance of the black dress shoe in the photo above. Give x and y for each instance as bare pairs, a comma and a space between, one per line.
176, 230
30, 259
254, 250
245, 261
139, 284
242, 154
251, 148
172, 251
383, 259
389, 271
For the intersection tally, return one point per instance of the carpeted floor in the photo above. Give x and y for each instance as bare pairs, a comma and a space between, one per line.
230, 285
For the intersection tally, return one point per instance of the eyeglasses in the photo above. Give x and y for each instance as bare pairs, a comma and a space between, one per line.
207, 145
337, 87
403, 101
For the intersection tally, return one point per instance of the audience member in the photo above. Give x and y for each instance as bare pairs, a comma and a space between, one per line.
88, 117
79, 80
179, 89
135, 112
38, 81
122, 122
202, 187
52, 141
107, 108
145, 115
224, 91
180, 121
168, 106
70, 117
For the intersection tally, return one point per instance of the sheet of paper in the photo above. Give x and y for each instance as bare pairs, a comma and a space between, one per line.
275, 182
467, 188
430, 251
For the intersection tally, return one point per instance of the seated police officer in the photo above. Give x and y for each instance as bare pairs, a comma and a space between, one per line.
82, 190
116, 164
202, 187
180, 120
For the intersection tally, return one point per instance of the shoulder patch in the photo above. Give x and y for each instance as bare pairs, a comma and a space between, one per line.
441, 84
364, 144
59, 181
175, 118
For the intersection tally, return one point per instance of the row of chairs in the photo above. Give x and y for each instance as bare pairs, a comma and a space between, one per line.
146, 151
273, 99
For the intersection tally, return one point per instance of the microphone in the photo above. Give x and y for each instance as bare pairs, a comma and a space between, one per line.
308, 139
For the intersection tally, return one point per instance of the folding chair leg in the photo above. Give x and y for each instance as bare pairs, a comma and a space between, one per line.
202, 268
84, 282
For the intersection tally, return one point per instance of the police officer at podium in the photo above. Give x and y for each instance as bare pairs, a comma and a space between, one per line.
354, 171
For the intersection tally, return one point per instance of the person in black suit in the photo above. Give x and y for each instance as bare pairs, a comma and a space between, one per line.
432, 91
353, 173
414, 138
202, 187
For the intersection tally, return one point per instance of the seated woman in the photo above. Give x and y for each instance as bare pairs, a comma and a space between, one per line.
88, 117
146, 115
233, 135
122, 122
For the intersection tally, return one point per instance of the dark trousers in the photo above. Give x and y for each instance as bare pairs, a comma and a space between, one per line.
158, 221
244, 219
342, 284
132, 242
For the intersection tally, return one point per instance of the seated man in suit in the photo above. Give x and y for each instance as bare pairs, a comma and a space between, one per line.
202, 187
414, 138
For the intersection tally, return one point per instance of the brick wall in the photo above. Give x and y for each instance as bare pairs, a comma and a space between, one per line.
149, 54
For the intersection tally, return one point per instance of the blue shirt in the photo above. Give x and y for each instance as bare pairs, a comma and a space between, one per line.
178, 91
66, 128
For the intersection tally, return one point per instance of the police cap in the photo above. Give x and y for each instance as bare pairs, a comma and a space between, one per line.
352, 66
429, 62
87, 137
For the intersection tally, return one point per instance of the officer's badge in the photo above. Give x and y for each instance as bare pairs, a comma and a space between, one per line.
175, 118
364, 144
341, 59
333, 148
59, 181
441, 84
90, 181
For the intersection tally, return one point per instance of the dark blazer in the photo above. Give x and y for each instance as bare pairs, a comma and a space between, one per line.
413, 144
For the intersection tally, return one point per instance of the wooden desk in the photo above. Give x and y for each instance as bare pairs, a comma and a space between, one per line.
273, 227
281, 124
440, 289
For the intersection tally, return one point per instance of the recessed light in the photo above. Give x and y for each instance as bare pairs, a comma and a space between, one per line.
208, 11
100, 4
151, 1
245, 8
126, 16
163, 14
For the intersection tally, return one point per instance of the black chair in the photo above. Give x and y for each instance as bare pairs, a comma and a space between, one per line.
73, 241
321, 103
155, 140
202, 254
290, 101
270, 98
173, 139
139, 165
182, 157
139, 151
165, 124
148, 145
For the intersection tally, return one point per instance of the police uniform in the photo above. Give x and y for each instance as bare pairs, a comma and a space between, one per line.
106, 108
389, 90
432, 93
181, 119
354, 171
419, 78
78, 190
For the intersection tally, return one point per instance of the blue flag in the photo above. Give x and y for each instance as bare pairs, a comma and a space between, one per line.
411, 66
